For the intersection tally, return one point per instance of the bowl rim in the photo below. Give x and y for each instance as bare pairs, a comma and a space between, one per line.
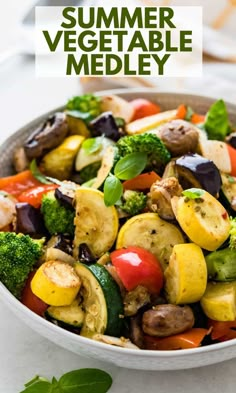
10, 299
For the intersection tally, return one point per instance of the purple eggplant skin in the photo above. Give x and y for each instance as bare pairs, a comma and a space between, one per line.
231, 139
65, 196
204, 171
29, 220
85, 254
105, 124
61, 242
47, 136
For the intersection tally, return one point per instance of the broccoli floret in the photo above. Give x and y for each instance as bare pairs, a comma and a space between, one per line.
90, 171
85, 107
18, 255
133, 202
57, 218
232, 234
158, 155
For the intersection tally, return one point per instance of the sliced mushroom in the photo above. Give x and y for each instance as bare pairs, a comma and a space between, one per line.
167, 319
118, 342
159, 198
20, 160
179, 136
47, 136
136, 333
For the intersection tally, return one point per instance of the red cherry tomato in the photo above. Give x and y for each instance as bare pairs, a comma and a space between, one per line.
137, 266
30, 300
143, 108
34, 195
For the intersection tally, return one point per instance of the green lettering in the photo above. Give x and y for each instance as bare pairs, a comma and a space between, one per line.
104, 40
144, 61
137, 41
166, 14
184, 40
130, 20
107, 19
96, 61
66, 13
149, 17
113, 64
120, 37
161, 62
155, 41
77, 68
81, 22
169, 47
52, 44
68, 40
91, 44
127, 70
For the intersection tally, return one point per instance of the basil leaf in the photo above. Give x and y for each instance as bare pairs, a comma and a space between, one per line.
37, 174
86, 116
92, 145
217, 121
130, 166
189, 113
38, 387
193, 193
113, 190
87, 380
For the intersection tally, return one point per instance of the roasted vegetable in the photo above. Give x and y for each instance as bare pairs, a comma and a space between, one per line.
219, 301
59, 247
217, 151
149, 231
105, 124
179, 137
167, 319
65, 194
158, 155
46, 137
228, 192
7, 209
92, 151
133, 202
193, 170
59, 162
18, 254
77, 126
186, 275
71, 316
203, 219
89, 172
57, 218
108, 161
118, 106
95, 223
221, 265
29, 220
159, 198
232, 234
150, 122
85, 107
56, 283
85, 254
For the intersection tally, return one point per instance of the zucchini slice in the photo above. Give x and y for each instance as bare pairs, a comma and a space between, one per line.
102, 301
71, 316
95, 223
228, 191
149, 231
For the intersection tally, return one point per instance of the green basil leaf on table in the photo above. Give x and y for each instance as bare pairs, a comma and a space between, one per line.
39, 387
217, 121
130, 166
113, 190
86, 380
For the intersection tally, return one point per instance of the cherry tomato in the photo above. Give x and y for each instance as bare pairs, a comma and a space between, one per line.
143, 108
30, 300
137, 266
34, 195
16, 184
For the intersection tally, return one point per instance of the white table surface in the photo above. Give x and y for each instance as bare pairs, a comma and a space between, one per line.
23, 353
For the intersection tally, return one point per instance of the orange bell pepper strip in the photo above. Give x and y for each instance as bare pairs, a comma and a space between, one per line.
16, 184
232, 157
141, 182
181, 112
222, 329
197, 118
189, 339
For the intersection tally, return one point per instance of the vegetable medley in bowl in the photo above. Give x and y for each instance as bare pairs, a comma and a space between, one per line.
120, 226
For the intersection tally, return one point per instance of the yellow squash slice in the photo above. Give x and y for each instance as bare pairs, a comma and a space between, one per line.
149, 231
204, 220
56, 283
186, 276
219, 301
95, 223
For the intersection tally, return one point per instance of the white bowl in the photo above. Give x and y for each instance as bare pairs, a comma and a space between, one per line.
128, 358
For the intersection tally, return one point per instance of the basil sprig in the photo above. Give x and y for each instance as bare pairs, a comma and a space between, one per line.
92, 145
40, 176
217, 122
130, 166
113, 190
84, 380
193, 193
126, 168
